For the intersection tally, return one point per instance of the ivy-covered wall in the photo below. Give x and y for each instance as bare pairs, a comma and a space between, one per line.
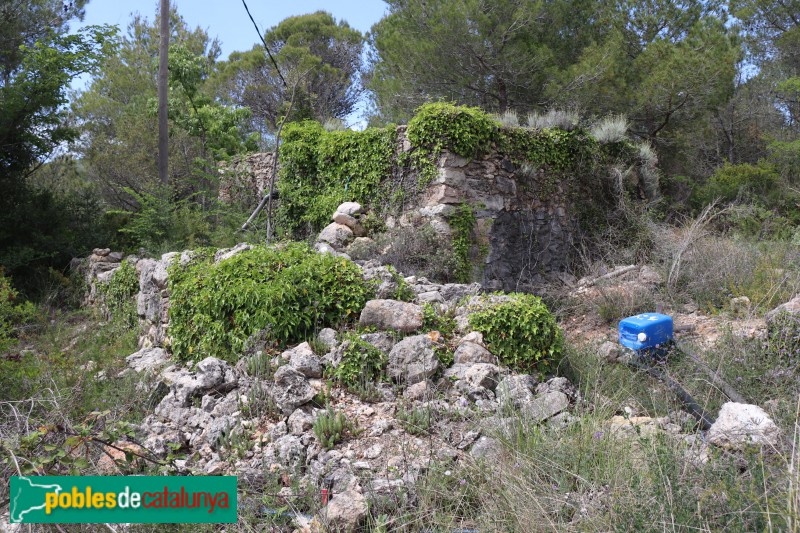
528, 193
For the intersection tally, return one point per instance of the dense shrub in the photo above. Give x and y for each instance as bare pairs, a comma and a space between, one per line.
13, 313
467, 131
520, 331
288, 291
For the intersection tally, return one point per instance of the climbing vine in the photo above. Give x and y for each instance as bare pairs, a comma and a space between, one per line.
119, 291
462, 224
321, 169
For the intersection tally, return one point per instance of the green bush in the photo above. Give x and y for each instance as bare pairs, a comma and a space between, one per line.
288, 291
361, 363
521, 332
760, 183
14, 313
467, 131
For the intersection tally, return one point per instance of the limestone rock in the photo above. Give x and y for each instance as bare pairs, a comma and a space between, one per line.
211, 374
147, 359
739, 425
545, 406
381, 340
350, 208
392, 314
346, 511
516, 391
303, 359
350, 222
482, 375
291, 389
412, 360
469, 352
337, 235
327, 336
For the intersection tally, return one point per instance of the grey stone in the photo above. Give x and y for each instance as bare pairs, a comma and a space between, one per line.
469, 352
337, 235
327, 336
381, 340
486, 448
412, 360
453, 292
610, 351
545, 406
291, 389
303, 359
350, 208
516, 391
211, 374
290, 451
345, 512
438, 210
227, 253
740, 425
325, 248
421, 391
392, 314
147, 359
430, 297
299, 422
482, 375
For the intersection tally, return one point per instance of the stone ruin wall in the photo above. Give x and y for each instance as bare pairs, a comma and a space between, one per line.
524, 221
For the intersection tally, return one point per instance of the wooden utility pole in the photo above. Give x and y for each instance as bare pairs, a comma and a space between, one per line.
163, 132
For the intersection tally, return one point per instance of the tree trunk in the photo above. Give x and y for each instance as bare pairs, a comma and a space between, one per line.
163, 132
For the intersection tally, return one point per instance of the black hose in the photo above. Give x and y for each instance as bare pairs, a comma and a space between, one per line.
692, 406
718, 381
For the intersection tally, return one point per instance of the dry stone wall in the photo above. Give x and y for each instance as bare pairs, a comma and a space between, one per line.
525, 225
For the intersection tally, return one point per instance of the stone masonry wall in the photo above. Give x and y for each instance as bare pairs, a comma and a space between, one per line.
524, 223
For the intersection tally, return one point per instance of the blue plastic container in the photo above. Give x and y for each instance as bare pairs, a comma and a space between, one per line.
647, 331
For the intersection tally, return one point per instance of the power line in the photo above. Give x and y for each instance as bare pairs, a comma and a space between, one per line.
274, 63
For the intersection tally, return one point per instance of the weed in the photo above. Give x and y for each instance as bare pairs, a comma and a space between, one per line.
331, 427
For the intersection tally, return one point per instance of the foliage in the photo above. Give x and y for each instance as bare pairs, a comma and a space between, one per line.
432, 320
287, 290
760, 183
554, 118
490, 56
416, 421
320, 170
14, 313
404, 292
331, 427
463, 225
361, 363
520, 331
118, 293
466, 131
38, 60
320, 59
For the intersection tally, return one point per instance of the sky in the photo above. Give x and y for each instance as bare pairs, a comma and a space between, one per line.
227, 19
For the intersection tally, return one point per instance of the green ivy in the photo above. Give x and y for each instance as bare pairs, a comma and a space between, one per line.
462, 224
288, 291
521, 332
466, 131
320, 170
119, 291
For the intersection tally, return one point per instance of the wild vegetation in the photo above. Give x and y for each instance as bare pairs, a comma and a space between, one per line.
698, 99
